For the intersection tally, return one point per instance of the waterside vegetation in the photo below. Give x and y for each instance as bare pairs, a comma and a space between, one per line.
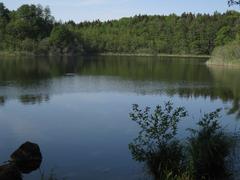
227, 55
205, 154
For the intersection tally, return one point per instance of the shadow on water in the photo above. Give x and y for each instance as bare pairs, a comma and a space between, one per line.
186, 77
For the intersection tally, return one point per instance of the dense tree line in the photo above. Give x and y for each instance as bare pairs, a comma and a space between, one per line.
31, 28
185, 34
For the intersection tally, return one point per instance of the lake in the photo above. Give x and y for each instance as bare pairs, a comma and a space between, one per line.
77, 108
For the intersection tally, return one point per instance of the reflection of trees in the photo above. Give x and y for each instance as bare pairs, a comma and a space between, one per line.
29, 71
214, 82
235, 109
146, 68
206, 92
227, 86
225, 94
185, 77
2, 100
33, 99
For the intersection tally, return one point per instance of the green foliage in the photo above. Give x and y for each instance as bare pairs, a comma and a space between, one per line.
29, 21
185, 34
142, 34
226, 55
4, 12
209, 147
64, 41
28, 45
28, 24
61, 37
43, 46
156, 143
224, 36
4, 19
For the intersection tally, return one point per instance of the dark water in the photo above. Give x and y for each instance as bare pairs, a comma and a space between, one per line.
77, 108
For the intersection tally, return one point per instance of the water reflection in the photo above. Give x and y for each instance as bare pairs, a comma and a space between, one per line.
2, 100
26, 71
88, 100
33, 99
184, 77
227, 83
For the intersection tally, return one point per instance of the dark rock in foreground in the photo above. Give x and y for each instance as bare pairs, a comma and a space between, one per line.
25, 159
10, 172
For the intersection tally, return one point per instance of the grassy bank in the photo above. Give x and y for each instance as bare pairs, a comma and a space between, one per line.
25, 53
33, 54
16, 53
228, 55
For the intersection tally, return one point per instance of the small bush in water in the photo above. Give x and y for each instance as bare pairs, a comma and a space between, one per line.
156, 143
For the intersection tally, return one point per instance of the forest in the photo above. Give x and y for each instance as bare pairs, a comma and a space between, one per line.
32, 29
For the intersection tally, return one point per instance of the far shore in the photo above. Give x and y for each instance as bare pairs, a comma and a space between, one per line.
225, 65
16, 53
23, 53
209, 62
159, 55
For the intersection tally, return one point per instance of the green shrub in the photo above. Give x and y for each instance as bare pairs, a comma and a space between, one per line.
43, 46
209, 146
156, 144
226, 55
28, 45
208, 153
64, 41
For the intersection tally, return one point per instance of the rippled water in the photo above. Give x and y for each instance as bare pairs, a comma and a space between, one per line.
77, 108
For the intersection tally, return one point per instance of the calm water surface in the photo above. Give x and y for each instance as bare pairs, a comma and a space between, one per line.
77, 108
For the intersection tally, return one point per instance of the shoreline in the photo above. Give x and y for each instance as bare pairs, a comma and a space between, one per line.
223, 65
16, 53
208, 62
156, 55
22, 53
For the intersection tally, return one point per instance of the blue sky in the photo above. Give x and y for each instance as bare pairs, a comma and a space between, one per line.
80, 10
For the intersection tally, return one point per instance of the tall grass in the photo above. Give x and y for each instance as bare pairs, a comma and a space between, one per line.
228, 54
